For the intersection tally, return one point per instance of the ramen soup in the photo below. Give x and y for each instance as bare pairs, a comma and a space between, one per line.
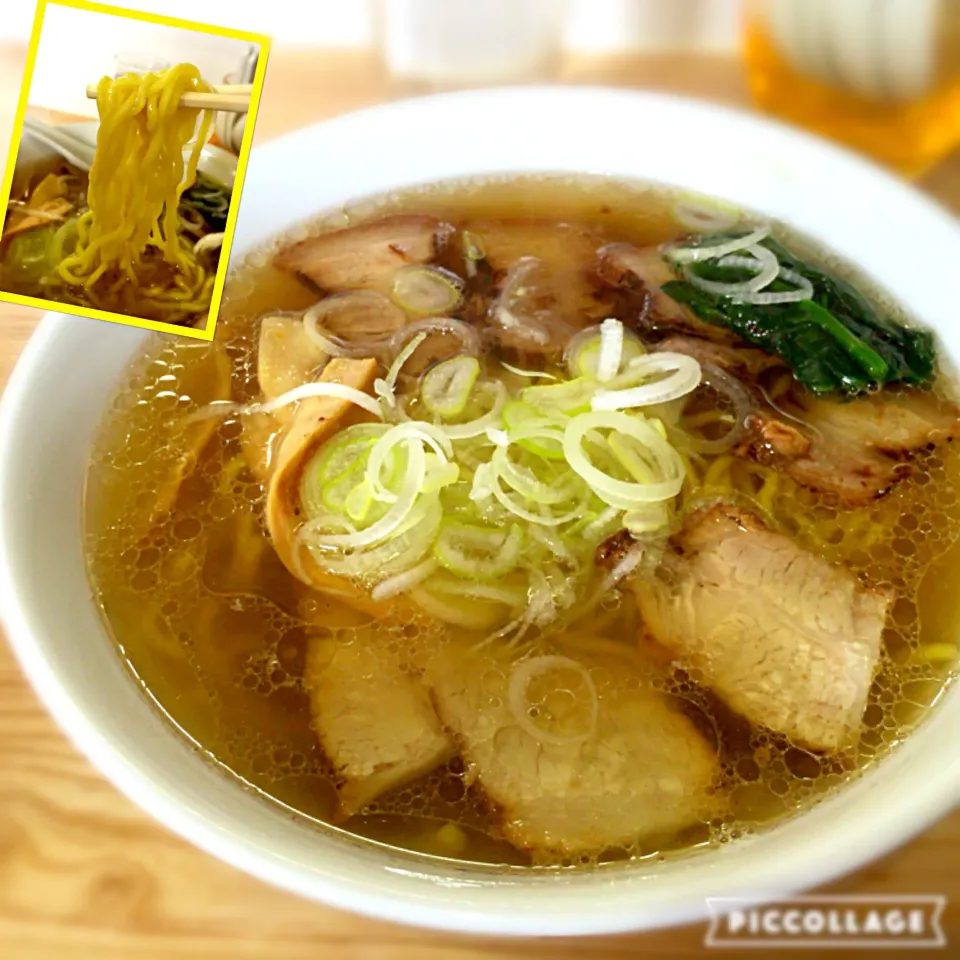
537, 522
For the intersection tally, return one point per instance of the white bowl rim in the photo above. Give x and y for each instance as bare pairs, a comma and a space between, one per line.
583, 903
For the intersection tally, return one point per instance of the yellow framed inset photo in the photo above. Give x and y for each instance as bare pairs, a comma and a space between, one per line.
123, 181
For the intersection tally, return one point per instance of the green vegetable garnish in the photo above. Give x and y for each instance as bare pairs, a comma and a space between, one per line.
835, 342
479, 553
210, 199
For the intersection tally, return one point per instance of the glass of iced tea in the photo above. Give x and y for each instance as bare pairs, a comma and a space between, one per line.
882, 76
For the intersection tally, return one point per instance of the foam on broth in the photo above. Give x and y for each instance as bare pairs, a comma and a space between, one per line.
215, 628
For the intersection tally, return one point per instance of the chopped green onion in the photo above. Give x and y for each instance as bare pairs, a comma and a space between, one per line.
385, 388
473, 246
446, 387
427, 290
611, 350
524, 480
517, 415
379, 455
338, 457
394, 517
496, 392
470, 613
583, 353
626, 495
358, 502
569, 396
520, 372
478, 553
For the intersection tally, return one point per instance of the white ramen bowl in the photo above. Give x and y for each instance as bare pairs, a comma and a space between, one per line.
58, 393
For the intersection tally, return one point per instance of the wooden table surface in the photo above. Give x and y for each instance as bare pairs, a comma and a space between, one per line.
85, 874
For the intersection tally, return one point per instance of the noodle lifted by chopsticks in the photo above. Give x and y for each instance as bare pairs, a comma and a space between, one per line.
129, 256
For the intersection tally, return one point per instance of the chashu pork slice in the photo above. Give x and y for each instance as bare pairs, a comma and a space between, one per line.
851, 450
855, 450
786, 639
643, 269
643, 772
375, 722
366, 256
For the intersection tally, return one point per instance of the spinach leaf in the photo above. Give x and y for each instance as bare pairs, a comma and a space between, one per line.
210, 199
835, 342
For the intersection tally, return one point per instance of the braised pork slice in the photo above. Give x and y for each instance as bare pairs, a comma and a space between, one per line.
375, 723
642, 771
895, 422
643, 269
364, 257
545, 287
747, 363
786, 639
562, 247
855, 450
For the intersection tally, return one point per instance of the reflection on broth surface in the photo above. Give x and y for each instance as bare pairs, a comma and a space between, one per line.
750, 605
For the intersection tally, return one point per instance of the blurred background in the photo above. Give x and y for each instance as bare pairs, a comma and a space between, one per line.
883, 76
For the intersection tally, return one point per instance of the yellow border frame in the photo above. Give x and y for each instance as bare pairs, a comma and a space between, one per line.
264, 43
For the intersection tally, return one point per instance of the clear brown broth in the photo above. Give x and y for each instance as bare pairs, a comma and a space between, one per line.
214, 627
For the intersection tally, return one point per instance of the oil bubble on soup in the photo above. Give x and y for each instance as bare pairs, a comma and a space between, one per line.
537, 521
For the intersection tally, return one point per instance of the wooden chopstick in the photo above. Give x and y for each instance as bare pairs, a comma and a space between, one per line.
228, 97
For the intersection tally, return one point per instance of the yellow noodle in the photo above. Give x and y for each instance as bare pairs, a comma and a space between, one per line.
699, 420
718, 473
129, 256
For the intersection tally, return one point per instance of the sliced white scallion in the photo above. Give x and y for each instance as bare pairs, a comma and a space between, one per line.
394, 517
602, 523
427, 290
533, 374
763, 263
553, 542
686, 253
440, 473
357, 323
525, 482
545, 519
446, 388
582, 354
358, 502
467, 335
525, 673
426, 433
526, 425
402, 582
305, 391
803, 291
468, 613
678, 375
625, 566
497, 392
497, 592
340, 457
611, 350
507, 311
406, 547
624, 494
478, 553
742, 402
653, 518
385, 388
566, 397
